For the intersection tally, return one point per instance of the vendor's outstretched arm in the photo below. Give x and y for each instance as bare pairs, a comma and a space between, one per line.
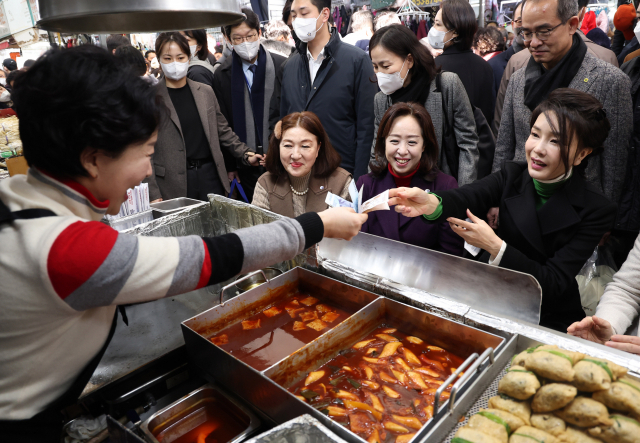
90, 264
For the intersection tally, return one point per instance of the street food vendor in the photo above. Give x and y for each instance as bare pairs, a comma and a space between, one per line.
88, 128
551, 218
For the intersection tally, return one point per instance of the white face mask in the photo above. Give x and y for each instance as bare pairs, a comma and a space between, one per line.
636, 30
228, 49
390, 83
194, 50
436, 38
5, 96
305, 28
3, 81
247, 50
175, 70
155, 64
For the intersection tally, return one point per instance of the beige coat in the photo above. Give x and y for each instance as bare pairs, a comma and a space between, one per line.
169, 177
521, 59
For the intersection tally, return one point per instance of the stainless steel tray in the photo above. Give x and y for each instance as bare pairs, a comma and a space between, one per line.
175, 204
189, 404
272, 399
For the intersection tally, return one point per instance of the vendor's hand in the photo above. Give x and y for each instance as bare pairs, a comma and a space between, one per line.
413, 202
625, 343
493, 217
342, 223
233, 175
256, 159
594, 329
157, 200
478, 233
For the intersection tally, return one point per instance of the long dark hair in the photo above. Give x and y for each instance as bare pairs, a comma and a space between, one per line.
429, 159
578, 115
200, 36
328, 158
401, 41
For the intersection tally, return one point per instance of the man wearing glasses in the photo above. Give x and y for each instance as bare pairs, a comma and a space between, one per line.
560, 59
244, 85
499, 62
521, 59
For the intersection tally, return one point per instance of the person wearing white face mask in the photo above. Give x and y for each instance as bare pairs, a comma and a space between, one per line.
331, 79
452, 32
406, 72
188, 161
201, 68
244, 84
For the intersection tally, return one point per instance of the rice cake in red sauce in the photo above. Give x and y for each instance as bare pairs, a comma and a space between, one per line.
384, 399
278, 331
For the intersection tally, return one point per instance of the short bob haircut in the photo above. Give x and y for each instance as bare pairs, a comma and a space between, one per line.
488, 40
428, 161
328, 158
80, 97
131, 58
166, 38
458, 16
200, 36
252, 21
578, 115
402, 41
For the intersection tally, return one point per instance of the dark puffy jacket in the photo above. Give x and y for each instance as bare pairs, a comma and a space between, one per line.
629, 207
341, 96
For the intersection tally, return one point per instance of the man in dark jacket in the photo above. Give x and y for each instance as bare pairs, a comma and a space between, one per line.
244, 84
499, 62
332, 79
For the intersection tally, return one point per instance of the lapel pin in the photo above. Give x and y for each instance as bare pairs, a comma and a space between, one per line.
586, 80
321, 188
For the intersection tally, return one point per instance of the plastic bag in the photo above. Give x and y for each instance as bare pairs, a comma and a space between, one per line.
596, 273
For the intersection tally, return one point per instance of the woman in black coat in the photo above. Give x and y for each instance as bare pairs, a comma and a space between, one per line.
453, 30
551, 219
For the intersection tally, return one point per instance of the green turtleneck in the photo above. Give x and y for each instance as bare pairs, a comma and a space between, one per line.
544, 191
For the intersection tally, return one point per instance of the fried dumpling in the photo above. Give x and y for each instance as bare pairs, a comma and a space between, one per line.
473, 436
623, 430
519, 359
490, 424
553, 396
549, 423
596, 374
519, 383
573, 435
513, 421
623, 395
527, 434
520, 409
585, 413
552, 363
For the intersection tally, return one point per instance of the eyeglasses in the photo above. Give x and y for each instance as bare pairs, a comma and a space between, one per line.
540, 35
249, 38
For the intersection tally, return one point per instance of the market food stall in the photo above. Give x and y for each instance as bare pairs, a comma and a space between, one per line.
274, 350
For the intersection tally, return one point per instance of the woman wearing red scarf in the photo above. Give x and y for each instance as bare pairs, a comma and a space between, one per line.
406, 153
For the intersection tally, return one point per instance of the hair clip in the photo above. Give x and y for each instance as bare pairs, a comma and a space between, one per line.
277, 131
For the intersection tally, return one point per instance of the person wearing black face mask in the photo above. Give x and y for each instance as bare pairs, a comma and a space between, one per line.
244, 84
499, 62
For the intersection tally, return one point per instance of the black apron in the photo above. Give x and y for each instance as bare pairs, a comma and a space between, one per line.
46, 426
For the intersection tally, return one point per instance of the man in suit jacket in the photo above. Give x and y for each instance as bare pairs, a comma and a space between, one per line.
562, 60
244, 95
521, 59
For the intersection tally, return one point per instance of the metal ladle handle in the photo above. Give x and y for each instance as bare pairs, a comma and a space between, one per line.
467, 375
266, 280
443, 386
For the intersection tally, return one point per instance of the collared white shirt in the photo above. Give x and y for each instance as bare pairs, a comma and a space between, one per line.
247, 73
314, 65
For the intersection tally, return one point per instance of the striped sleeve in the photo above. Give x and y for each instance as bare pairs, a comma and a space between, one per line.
90, 264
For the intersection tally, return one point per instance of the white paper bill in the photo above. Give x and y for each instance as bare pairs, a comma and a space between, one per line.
337, 202
378, 203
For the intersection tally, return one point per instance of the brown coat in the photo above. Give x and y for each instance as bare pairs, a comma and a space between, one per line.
521, 59
280, 197
169, 177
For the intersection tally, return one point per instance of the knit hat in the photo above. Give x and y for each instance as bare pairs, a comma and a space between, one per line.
623, 20
598, 36
10, 64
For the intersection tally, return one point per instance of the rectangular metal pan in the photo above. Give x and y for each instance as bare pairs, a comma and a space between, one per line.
175, 204
464, 341
182, 408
